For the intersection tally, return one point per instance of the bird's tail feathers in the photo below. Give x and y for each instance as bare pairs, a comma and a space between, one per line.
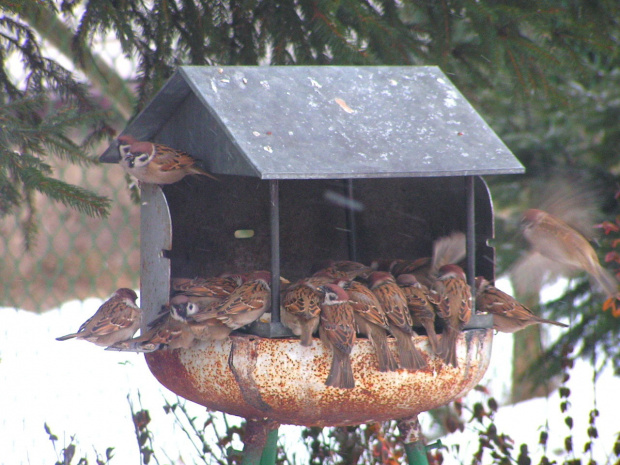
385, 357
449, 249
447, 347
409, 355
341, 371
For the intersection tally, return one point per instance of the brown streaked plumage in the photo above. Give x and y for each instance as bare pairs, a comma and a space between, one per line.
117, 319
557, 240
421, 302
394, 304
509, 315
156, 163
301, 304
337, 332
207, 330
165, 333
454, 308
206, 292
371, 322
246, 304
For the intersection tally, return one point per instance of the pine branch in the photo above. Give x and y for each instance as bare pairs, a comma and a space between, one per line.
104, 78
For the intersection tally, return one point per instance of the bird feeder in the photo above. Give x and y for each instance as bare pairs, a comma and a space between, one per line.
313, 163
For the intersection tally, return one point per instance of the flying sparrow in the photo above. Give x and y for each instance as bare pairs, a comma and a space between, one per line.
509, 315
117, 319
371, 322
421, 302
553, 238
337, 332
301, 304
245, 304
155, 163
394, 304
166, 332
454, 308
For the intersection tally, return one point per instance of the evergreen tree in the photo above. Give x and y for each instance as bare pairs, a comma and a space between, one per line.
545, 75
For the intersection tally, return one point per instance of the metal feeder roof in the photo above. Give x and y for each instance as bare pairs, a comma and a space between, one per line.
313, 122
285, 133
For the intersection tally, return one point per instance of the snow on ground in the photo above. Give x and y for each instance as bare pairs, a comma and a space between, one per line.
80, 389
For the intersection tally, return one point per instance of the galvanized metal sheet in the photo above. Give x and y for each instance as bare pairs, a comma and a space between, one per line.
155, 239
298, 122
280, 380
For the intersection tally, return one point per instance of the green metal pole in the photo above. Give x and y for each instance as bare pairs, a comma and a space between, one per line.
416, 453
413, 440
260, 441
271, 448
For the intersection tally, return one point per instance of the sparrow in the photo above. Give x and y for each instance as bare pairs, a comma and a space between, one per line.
155, 163
454, 308
301, 304
446, 250
421, 302
509, 315
384, 264
342, 269
245, 304
419, 268
207, 330
166, 332
205, 292
337, 332
371, 322
394, 304
117, 319
557, 240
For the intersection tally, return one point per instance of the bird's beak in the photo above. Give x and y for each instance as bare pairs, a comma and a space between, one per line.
112, 154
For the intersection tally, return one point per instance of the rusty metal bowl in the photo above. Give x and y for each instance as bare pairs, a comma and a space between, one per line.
280, 380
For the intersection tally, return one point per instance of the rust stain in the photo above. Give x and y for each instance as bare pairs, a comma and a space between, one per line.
283, 381
245, 375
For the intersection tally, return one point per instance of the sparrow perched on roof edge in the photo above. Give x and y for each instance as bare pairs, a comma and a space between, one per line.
394, 304
454, 308
337, 332
557, 240
421, 302
509, 315
156, 163
117, 319
371, 322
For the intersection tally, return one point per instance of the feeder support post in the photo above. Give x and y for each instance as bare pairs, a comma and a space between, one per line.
471, 231
274, 203
415, 447
260, 441
351, 228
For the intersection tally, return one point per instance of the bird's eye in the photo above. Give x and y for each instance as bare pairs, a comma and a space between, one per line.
192, 308
131, 162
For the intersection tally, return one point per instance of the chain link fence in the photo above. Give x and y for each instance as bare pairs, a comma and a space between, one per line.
74, 256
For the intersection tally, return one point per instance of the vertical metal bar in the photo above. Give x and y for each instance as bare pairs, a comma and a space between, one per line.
471, 231
275, 250
413, 439
270, 451
350, 215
